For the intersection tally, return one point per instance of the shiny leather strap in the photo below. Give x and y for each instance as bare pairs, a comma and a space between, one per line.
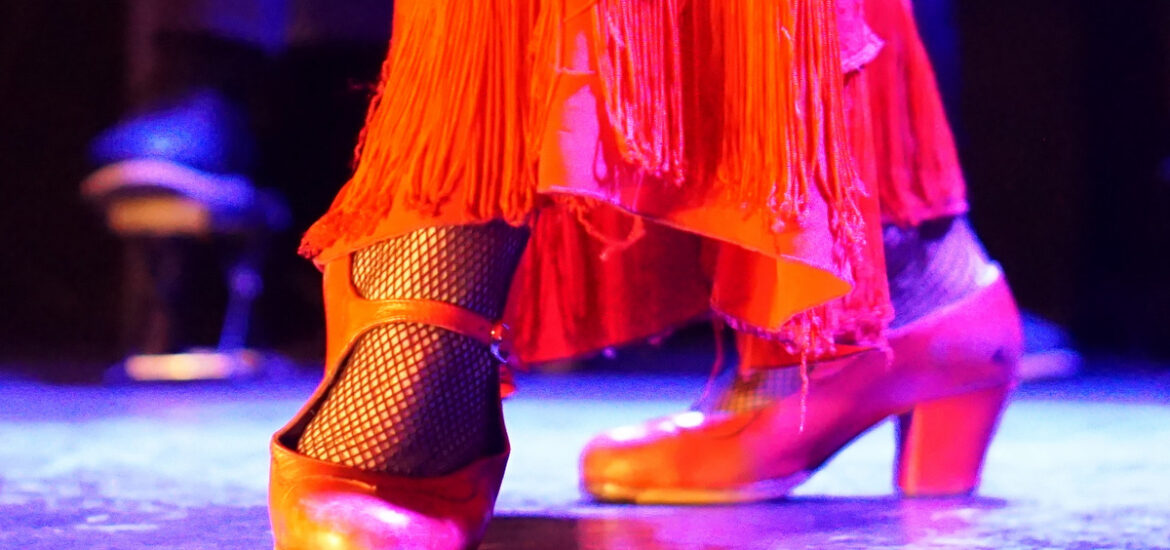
366, 314
348, 315
371, 313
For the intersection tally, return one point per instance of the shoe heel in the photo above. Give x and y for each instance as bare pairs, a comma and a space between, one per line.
942, 443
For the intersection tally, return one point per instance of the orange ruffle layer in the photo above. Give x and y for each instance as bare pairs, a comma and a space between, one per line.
671, 160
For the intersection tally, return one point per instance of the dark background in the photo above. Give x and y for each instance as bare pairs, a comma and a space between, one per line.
1061, 111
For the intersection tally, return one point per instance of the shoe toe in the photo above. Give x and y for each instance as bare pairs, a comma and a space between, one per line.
631, 457
354, 521
603, 461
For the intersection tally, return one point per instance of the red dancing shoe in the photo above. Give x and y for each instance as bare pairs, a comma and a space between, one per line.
317, 505
950, 378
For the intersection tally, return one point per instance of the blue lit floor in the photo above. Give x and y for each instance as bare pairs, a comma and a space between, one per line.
1081, 463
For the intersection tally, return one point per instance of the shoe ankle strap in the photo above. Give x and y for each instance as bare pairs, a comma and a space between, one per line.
348, 316
457, 319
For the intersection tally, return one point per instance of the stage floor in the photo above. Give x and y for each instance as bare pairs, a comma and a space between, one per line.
1079, 463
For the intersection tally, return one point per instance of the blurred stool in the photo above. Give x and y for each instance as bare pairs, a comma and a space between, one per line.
171, 184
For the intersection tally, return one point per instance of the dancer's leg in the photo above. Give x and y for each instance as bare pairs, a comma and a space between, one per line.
415, 399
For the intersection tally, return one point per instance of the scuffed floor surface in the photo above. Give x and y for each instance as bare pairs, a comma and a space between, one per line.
1082, 463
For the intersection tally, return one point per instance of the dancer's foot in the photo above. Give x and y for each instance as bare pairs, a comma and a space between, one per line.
744, 442
403, 443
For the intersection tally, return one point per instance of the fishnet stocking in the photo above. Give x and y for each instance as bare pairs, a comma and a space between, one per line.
730, 392
418, 400
932, 265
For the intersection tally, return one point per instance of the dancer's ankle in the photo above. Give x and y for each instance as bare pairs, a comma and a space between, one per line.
414, 399
929, 266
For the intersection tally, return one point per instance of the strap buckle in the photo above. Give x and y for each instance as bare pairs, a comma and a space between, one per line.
500, 345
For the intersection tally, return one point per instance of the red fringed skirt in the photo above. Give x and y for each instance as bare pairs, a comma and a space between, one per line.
673, 159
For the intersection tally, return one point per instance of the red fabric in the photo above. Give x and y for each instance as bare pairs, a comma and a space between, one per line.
918, 174
859, 43
901, 140
707, 194
569, 297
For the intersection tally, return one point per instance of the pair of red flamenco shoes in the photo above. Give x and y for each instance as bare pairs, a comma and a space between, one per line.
947, 385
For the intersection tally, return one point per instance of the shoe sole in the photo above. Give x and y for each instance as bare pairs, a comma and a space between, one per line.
752, 492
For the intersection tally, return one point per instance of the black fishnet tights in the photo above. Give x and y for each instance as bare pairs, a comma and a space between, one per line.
734, 393
937, 263
418, 400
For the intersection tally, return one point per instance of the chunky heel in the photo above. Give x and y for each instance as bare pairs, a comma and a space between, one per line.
942, 443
